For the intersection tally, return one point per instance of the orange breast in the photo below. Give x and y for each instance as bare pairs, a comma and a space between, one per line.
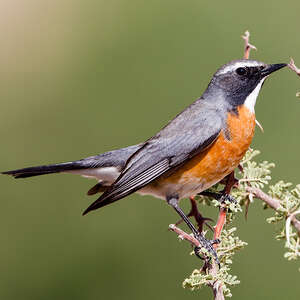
212, 165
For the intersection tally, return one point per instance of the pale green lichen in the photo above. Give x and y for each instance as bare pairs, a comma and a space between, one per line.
227, 248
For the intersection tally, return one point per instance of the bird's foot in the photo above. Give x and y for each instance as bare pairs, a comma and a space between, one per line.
207, 246
221, 197
227, 197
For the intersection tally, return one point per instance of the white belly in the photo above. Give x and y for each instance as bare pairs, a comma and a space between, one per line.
183, 190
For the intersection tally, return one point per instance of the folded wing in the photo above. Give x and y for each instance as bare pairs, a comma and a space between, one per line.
185, 136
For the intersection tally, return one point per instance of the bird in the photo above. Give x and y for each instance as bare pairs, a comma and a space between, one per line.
198, 148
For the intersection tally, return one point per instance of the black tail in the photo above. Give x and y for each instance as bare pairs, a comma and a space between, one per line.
47, 169
116, 158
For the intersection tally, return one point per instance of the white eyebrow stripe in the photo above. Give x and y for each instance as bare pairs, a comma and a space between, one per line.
238, 65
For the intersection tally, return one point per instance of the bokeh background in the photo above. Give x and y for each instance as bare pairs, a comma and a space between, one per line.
79, 78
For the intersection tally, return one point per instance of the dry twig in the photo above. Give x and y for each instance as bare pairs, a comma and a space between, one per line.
248, 46
293, 67
291, 218
211, 268
184, 236
273, 203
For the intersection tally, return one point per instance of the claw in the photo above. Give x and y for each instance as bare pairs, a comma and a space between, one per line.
216, 242
227, 197
208, 245
197, 251
221, 197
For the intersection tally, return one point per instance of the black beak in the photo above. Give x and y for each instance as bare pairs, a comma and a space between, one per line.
271, 68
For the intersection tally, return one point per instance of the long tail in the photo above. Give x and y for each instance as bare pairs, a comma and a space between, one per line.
89, 166
105, 168
46, 169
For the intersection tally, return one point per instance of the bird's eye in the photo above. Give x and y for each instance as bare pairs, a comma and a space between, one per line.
241, 71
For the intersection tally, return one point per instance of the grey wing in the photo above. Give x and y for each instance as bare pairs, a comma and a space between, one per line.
187, 135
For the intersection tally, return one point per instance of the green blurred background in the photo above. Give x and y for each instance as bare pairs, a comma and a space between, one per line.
79, 78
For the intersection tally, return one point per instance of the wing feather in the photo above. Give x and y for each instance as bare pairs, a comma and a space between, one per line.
187, 135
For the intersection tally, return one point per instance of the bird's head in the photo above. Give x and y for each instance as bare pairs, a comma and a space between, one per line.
241, 80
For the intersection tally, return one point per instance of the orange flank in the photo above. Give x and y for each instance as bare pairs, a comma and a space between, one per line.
213, 164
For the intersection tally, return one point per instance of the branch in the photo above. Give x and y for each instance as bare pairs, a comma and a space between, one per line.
248, 46
275, 204
209, 267
293, 67
184, 236
259, 194
220, 224
291, 218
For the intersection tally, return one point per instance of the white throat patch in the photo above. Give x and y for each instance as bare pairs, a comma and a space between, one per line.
251, 99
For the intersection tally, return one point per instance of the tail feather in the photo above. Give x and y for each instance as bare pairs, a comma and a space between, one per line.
104, 167
116, 158
42, 170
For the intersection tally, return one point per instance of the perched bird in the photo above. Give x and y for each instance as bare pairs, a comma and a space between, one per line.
195, 150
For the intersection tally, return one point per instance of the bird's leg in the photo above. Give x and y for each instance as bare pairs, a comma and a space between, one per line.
208, 245
194, 212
